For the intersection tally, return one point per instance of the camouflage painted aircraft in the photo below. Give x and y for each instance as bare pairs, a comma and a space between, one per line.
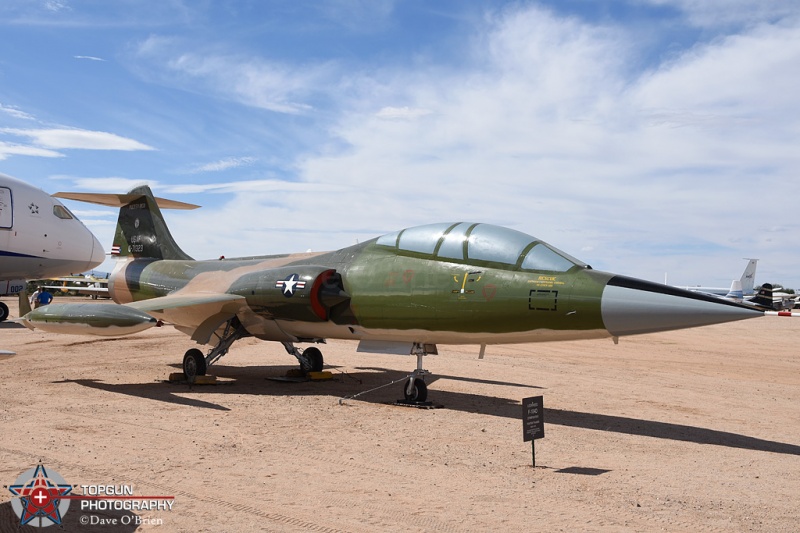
405, 292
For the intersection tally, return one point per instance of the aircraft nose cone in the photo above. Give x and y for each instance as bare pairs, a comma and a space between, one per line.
630, 306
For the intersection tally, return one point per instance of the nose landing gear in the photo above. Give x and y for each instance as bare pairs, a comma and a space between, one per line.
415, 390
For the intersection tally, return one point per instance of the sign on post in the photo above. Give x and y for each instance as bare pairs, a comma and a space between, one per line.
533, 422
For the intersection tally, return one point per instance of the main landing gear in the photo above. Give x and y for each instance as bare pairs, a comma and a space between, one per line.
196, 364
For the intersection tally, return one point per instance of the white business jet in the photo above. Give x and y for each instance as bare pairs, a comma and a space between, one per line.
39, 238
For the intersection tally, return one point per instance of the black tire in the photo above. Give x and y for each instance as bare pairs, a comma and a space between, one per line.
194, 364
419, 393
3, 311
313, 360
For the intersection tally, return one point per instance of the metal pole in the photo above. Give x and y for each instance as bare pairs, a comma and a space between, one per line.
533, 452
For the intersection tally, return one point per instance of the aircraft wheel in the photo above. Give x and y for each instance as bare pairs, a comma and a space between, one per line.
194, 364
3, 311
313, 360
419, 391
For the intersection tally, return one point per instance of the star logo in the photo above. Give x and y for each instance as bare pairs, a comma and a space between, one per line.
290, 285
40, 496
34, 209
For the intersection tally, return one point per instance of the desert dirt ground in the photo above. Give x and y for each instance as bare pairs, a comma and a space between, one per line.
695, 430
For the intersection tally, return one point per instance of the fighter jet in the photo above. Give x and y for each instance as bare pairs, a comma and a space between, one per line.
39, 238
405, 292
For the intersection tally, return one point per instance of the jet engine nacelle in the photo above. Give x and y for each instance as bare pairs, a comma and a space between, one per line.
308, 292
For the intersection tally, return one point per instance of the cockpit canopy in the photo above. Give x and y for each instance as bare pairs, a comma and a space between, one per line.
483, 243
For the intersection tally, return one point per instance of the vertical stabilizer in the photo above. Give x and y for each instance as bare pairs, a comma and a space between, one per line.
141, 230
749, 277
764, 297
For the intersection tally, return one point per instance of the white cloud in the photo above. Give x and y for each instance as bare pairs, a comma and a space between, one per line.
358, 15
252, 186
253, 81
110, 184
551, 132
90, 213
546, 123
715, 13
90, 58
7, 149
15, 112
401, 113
64, 138
223, 164
56, 5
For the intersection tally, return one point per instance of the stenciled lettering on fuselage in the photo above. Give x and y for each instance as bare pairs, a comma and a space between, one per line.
291, 284
468, 277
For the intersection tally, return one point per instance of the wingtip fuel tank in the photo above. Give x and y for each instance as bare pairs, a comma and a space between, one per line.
89, 319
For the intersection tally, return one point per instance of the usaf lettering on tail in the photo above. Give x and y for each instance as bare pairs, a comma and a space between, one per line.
448, 283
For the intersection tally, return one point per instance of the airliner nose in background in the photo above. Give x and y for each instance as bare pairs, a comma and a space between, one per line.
39, 238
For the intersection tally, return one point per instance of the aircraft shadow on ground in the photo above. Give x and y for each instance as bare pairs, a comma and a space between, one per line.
256, 381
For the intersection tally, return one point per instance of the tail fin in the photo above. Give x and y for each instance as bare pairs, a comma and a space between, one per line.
764, 297
735, 292
141, 230
749, 277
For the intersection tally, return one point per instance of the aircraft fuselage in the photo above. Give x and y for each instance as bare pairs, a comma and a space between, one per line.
39, 237
376, 291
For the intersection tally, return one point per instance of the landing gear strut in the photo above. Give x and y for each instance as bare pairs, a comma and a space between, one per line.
310, 359
194, 364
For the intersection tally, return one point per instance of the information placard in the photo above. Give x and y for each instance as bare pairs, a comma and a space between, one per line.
532, 418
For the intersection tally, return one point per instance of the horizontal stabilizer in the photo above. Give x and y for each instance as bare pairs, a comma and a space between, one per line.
120, 200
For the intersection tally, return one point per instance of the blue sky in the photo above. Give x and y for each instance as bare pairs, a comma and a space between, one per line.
644, 137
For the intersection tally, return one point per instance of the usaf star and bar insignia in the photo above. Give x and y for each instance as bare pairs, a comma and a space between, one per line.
291, 284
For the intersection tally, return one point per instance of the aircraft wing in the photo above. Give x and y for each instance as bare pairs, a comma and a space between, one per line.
175, 301
198, 315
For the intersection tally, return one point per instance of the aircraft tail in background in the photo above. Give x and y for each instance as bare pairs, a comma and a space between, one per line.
735, 293
764, 297
748, 277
